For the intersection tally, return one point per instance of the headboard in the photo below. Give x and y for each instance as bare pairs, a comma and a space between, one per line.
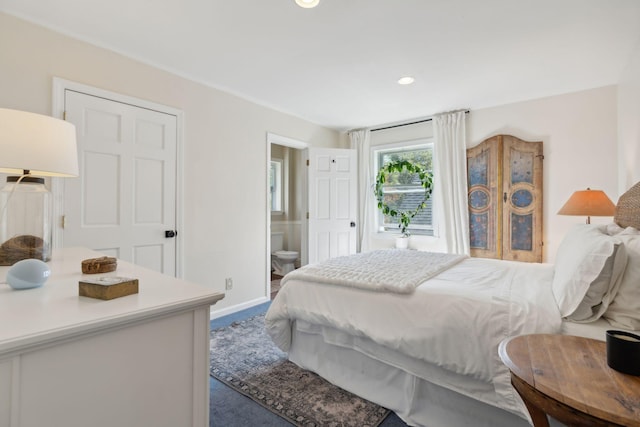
628, 208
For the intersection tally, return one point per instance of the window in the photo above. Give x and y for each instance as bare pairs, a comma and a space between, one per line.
404, 191
275, 185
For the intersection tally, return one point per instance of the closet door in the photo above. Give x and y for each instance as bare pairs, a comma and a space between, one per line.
522, 197
125, 199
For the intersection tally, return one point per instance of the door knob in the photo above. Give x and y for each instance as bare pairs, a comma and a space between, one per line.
353, 224
170, 233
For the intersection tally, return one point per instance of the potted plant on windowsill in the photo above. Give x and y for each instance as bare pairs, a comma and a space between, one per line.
386, 175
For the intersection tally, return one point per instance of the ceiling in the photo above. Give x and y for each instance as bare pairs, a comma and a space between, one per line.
337, 64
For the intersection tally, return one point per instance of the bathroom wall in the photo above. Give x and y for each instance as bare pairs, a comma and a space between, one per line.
290, 221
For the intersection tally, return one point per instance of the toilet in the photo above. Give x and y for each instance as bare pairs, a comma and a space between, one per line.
282, 262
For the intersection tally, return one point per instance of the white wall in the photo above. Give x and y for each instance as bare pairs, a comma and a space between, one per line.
224, 146
579, 132
629, 123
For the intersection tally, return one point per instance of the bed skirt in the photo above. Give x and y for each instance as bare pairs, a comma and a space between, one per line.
416, 401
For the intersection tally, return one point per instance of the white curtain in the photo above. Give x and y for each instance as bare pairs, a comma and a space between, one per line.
361, 142
450, 180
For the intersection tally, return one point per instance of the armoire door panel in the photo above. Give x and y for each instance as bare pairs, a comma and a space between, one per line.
522, 211
484, 194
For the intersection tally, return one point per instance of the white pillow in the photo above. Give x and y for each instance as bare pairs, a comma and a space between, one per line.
613, 229
581, 265
624, 311
603, 289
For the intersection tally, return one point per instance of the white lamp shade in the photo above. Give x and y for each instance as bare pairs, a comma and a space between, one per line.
41, 144
307, 4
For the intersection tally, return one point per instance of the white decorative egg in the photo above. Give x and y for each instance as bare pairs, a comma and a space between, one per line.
27, 274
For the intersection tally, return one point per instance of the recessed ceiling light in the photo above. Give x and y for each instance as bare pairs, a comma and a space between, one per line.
406, 80
307, 3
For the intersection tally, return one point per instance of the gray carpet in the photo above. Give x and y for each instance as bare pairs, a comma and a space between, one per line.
244, 358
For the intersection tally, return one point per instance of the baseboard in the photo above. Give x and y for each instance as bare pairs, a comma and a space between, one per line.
238, 307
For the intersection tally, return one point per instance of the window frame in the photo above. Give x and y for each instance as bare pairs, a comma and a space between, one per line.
376, 152
279, 188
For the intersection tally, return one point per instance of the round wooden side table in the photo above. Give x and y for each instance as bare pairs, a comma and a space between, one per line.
568, 378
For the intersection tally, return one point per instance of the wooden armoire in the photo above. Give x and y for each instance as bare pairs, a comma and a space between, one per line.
505, 199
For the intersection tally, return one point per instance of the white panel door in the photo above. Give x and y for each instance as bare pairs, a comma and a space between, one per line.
124, 200
332, 203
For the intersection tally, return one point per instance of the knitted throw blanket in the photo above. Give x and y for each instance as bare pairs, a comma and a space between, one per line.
387, 270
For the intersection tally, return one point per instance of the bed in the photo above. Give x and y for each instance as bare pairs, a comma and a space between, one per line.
418, 332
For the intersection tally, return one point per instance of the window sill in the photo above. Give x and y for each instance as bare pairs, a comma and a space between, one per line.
382, 240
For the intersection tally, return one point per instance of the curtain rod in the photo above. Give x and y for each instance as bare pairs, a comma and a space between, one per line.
408, 124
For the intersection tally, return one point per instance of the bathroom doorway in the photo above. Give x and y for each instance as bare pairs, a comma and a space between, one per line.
286, 208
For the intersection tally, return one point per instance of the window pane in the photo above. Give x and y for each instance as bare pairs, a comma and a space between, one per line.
419, 155
403, 191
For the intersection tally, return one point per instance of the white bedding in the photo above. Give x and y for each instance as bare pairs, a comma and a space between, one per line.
595, 330
454, 320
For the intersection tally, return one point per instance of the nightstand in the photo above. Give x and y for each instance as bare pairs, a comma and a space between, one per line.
568, 378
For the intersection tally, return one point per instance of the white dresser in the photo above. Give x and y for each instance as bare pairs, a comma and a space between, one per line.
137, 361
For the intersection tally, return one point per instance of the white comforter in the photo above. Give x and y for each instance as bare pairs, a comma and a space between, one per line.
454, 320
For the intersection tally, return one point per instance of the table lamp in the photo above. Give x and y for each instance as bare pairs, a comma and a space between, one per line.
31, 146
588, 203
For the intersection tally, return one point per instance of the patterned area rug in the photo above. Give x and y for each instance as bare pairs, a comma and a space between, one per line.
244, 357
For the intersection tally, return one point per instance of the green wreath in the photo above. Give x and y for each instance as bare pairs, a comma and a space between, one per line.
426, 180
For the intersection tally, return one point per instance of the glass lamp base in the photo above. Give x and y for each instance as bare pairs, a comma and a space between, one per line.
25, 220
